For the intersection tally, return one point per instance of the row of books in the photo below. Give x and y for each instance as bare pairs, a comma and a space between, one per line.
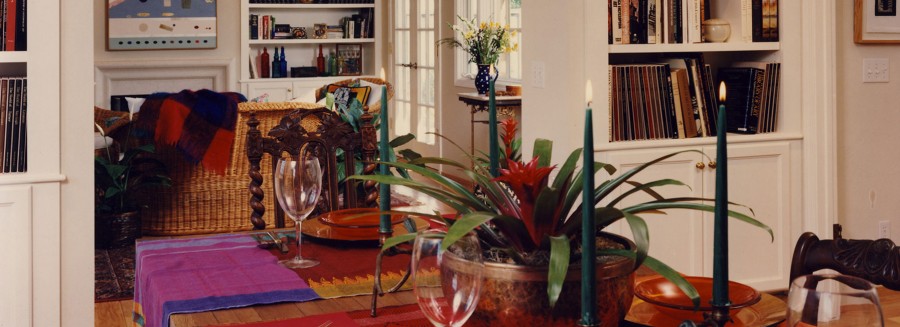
355, 26
13, 25
752, 96
13, 114
316, 1
677, 99
681, 21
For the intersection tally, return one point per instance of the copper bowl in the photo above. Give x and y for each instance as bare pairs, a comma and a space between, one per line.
668, 298
356, 221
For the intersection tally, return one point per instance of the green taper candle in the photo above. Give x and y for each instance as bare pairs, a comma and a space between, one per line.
588, 275
492, 130
720, 230
384, 190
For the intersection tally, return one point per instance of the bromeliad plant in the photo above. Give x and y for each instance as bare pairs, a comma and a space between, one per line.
540, 222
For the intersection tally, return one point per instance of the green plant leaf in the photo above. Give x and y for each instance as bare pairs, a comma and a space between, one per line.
513, 226
409, 154
116, 171
464, 225
396, 240
647, 188
664, 271
641, 237
614, 183
543, 150
697, 206
402, 139
559, 266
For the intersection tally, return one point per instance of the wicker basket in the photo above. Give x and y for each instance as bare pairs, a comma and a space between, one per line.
201, 201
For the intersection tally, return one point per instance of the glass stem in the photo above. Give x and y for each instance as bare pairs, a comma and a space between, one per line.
297, 227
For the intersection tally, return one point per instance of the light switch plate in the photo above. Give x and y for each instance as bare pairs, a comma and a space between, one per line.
876, 70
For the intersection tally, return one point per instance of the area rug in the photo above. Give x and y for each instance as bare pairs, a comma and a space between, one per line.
397, 316
114, 274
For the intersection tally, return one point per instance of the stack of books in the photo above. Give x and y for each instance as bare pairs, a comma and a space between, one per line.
13, 25
752, 101
13, 114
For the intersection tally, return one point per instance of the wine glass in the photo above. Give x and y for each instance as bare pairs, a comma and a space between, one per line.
298, 182
833, 300
447, 283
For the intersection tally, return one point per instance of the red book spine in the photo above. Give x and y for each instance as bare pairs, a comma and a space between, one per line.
10, 27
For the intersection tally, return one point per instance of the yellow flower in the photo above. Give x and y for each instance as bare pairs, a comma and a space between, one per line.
483, 25
469, 35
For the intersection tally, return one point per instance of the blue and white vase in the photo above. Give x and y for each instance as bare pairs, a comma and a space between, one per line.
483, 78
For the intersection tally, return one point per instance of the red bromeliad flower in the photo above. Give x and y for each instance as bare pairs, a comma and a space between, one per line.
526, 181
509, 133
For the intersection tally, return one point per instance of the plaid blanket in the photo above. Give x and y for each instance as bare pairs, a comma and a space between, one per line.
200, 124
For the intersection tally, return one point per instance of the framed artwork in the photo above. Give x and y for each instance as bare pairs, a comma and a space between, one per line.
876, 21
349, 62
160, 24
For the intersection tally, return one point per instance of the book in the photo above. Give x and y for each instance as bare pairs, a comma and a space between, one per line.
769, 94
22, 107
743, 86
254, 26
3, 125
652, 21
9, 28
746, 21
21, 35
694, 21
676, 95
668, 100
616, 21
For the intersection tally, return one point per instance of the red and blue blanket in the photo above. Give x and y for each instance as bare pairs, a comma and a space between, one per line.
200, 124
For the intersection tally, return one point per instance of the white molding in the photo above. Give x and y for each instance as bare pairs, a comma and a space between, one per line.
17, 296
819, 113
214, 74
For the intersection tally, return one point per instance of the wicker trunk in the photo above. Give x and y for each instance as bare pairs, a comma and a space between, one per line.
201, 201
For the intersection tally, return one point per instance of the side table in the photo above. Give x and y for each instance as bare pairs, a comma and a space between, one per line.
506, 106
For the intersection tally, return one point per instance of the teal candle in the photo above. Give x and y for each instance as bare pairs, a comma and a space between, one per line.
720, 236
384, 147
492, 131
588, 275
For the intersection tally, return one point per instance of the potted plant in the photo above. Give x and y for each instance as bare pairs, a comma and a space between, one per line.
121, 171
484, 43
530, 229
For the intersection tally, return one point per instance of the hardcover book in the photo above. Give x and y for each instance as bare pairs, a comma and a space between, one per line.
743, 86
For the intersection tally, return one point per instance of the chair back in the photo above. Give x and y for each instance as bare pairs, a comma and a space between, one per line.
333, 141
877, 261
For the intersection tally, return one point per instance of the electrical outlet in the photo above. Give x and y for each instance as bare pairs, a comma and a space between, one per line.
884, 229
537, 74
876, 70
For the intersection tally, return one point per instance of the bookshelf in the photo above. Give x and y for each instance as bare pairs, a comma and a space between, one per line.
303, 52
787, 177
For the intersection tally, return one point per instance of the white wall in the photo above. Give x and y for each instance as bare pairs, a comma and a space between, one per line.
867, 118
228, 17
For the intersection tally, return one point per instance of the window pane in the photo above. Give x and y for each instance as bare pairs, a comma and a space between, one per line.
426, 48
426, 14
402, 47
426, 125
402, 13
402, 120
426, 86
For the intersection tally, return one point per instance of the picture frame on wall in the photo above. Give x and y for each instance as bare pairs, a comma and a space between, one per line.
161, 24
350, 59
876, 21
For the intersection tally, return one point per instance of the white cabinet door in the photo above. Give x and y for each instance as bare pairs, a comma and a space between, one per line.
278, 91
759, 176
676, 238
15, 251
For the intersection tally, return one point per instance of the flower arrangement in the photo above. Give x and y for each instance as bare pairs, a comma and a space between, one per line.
483, 42
539, 224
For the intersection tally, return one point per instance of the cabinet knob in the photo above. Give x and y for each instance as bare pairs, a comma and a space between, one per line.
700, 165
712, 164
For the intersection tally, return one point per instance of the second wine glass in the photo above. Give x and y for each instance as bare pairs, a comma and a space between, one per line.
298, 183
447, 282
833, 300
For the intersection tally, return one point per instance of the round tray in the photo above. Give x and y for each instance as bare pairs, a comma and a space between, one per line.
318, 229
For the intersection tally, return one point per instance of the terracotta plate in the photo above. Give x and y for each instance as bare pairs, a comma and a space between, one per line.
340, 225
769, 311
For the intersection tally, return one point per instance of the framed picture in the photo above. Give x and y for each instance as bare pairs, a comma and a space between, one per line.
876, 21
320, 31
298, 32
349, 59
160, 24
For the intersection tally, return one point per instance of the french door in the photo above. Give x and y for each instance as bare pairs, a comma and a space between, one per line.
415, 75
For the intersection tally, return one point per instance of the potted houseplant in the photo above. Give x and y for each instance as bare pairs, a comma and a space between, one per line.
121, 171
483, 43
530, 227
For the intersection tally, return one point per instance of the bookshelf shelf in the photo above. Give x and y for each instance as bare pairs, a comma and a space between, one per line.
311, 6
304, 52
14, 57
695, 47
701, 141
309, 41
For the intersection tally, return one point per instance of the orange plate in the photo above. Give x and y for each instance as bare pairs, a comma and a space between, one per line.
769, 311
336, 225
669, 300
